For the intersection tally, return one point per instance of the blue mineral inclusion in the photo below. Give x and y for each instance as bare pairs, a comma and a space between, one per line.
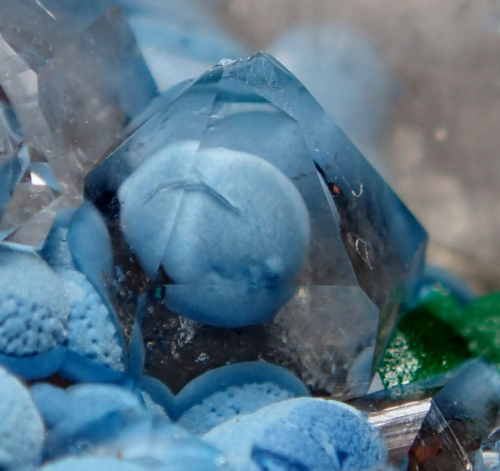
21, 428
301, 434
230, 229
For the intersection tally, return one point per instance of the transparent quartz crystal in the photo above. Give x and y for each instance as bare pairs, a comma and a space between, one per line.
365, 249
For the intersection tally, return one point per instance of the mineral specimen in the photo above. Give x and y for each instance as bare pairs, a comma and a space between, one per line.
69, 111
346, 297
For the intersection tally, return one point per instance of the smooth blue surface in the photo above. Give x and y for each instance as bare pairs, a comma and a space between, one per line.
37, 366
90, 405
144, 438
436, 277
91, 464
21, 427
159, 393
160, 444
298, 435
90, 244
232, 234
53, 403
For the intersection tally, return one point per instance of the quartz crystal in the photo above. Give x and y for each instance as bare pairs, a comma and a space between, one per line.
69, 111
398, 417
347, 74
365, 250
179, 39
462, 423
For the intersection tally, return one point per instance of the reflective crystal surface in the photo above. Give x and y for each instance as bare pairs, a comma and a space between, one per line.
346, 296
177, 48
346, 73
67, 72
461, 427
399, 419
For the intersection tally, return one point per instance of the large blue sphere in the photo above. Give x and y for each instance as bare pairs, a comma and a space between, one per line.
230, 229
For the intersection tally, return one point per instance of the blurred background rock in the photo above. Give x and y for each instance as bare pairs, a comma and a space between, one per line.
441, 146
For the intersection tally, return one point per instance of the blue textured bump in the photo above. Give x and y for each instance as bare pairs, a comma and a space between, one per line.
230, 229
301, 434
33, 314
223, 393
78, 247
21, 427
91, 332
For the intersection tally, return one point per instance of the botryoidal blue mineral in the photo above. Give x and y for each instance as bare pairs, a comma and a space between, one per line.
301, 434
21, 427
33, 314
223, 393
230, 229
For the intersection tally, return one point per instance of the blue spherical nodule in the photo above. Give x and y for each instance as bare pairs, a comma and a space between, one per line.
230, 229
21, 427
33, 315
301, 434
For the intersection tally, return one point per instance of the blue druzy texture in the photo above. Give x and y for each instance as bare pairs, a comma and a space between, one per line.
33, 307
301, 434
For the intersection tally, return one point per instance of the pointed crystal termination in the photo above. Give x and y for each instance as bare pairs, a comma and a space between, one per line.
365, 250
67, 71
462, 424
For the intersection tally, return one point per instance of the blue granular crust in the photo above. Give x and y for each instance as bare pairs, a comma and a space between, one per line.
91, 331
33, 307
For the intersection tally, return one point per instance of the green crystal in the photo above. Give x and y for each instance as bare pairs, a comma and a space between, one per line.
479, 324
424, 344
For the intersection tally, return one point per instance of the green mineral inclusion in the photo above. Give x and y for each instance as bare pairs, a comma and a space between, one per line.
426, 343
479, 324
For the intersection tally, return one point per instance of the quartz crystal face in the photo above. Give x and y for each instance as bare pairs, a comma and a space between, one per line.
460, 432
66, 112
329, 315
